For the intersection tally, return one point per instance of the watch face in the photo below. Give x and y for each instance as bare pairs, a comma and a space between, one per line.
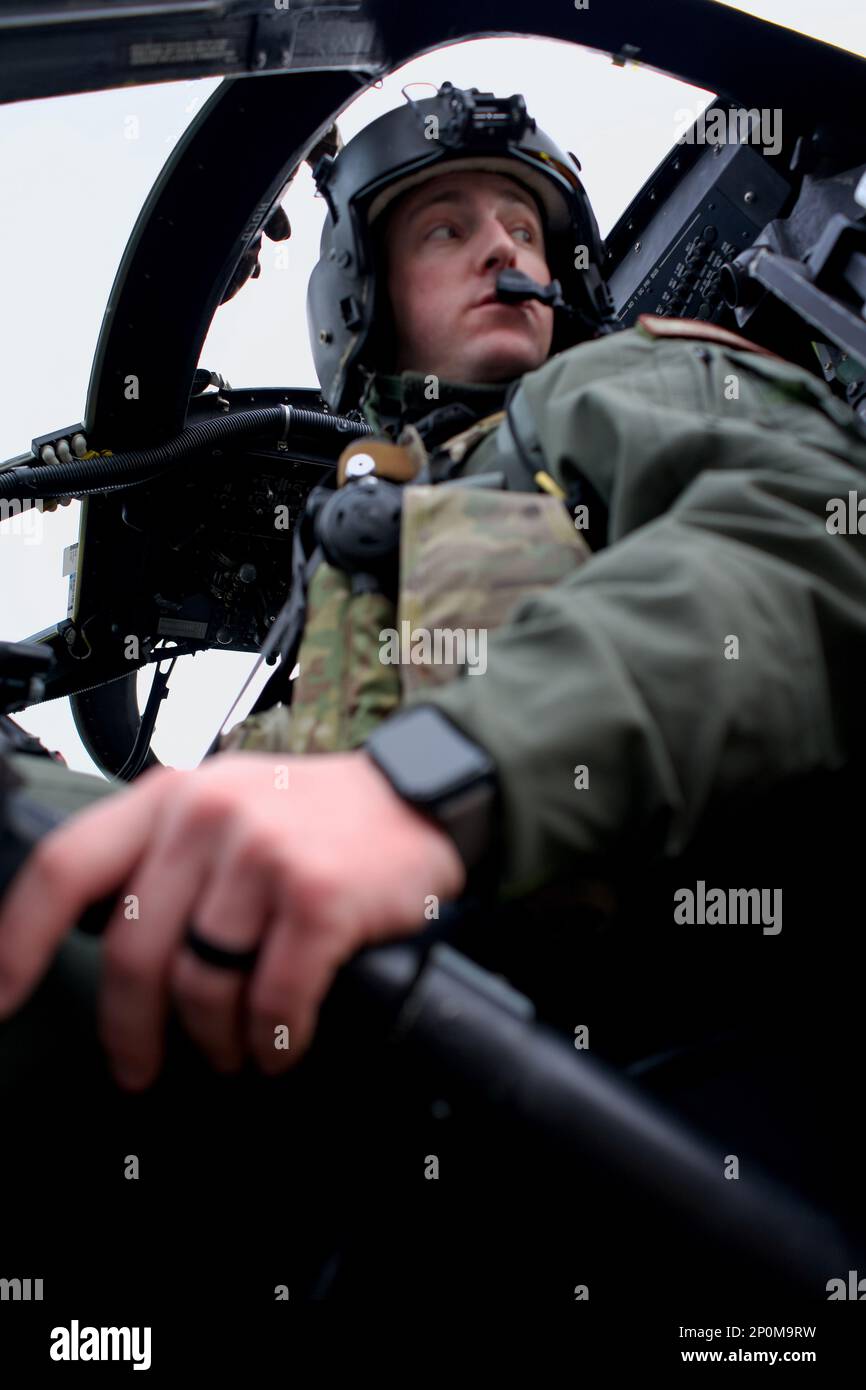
428, 757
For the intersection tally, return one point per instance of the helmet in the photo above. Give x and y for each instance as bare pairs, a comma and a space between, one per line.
456, 129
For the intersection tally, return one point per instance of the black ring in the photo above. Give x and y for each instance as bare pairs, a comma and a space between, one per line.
223, 957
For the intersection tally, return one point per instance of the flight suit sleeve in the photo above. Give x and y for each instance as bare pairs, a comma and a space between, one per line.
714, 646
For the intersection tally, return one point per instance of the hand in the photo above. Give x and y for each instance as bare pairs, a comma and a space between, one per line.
312, 857
277, 226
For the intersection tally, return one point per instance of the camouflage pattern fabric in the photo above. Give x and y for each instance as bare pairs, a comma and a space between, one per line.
342, 690
468, 555
268, 732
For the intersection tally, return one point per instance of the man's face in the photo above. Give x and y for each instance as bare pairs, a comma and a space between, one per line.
446, 242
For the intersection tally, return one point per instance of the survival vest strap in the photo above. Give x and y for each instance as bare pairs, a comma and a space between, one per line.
445, 460
517, 440
517, 444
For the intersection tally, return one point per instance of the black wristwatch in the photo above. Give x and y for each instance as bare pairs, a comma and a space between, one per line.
442, 773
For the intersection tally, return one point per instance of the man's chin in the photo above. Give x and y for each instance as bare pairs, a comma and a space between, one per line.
503, 361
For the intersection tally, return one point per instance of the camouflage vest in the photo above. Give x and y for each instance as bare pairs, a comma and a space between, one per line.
469, 553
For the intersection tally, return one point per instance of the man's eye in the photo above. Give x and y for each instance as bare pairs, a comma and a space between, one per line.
440, 227
527, 231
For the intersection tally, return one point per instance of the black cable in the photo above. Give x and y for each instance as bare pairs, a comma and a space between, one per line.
79, 477
140, 748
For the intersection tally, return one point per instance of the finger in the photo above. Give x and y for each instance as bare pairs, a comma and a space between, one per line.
84, 860
292, 977
277, 226
331, 143
138, 953
210, 999
244, 269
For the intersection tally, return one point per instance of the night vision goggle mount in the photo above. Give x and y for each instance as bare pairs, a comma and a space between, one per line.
479, 117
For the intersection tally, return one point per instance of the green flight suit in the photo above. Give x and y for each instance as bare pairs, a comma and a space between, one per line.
716, 467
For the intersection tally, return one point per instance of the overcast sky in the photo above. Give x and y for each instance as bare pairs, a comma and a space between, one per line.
74, 173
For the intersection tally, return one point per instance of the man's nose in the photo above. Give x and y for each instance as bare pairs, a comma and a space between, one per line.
498, 247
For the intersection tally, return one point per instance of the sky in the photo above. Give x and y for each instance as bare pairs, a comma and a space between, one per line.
74, 173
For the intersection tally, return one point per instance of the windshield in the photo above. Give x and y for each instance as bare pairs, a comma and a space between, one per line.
74, 174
